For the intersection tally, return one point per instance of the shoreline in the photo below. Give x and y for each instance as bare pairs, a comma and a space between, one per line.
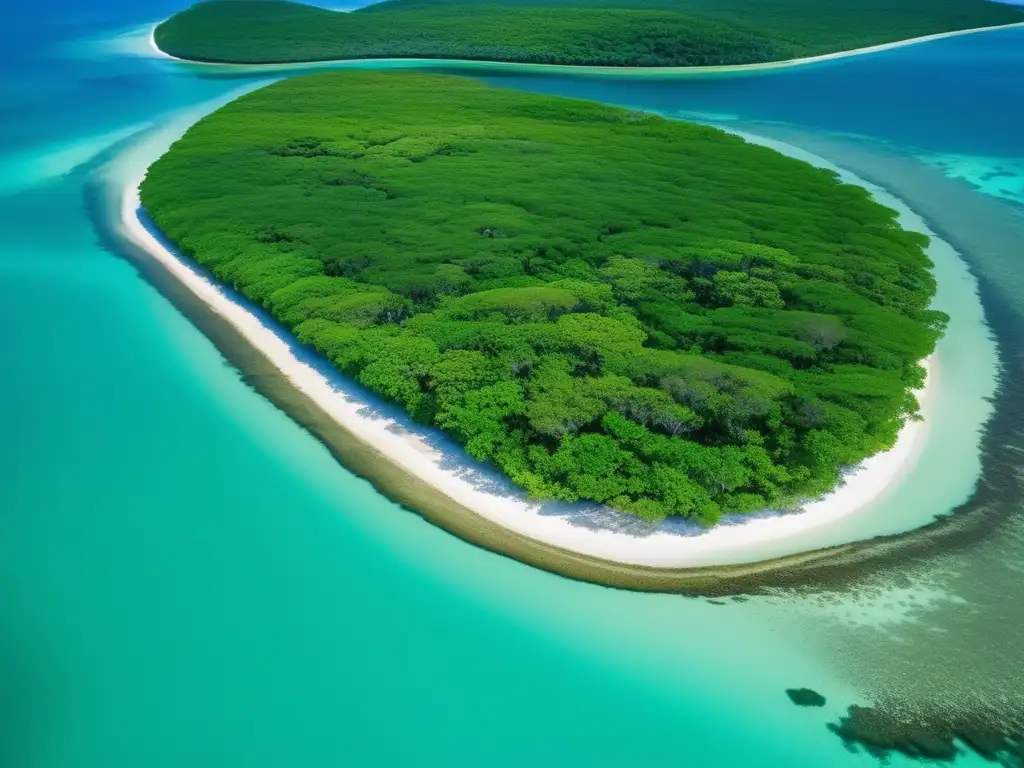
591, 69
596, 535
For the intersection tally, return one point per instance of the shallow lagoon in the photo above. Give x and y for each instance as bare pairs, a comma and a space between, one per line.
189, 579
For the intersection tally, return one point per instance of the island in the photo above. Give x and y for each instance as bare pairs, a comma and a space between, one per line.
605, 305
626, 33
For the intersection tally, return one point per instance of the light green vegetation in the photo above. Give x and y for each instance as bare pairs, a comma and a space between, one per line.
604, 304
591, 32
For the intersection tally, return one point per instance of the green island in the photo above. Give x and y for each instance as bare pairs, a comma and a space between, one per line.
576, 32
604, 304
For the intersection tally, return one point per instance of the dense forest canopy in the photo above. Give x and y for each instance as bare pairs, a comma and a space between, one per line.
584, 32
604, 304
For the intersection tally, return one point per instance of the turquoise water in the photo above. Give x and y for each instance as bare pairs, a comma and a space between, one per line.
188, 579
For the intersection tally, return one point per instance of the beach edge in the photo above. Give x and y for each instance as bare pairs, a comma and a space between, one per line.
585, 69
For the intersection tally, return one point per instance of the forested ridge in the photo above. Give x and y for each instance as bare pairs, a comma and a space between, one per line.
581, 32
604, 304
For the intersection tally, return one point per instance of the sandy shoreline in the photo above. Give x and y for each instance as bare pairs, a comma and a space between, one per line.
435, 461
590, 69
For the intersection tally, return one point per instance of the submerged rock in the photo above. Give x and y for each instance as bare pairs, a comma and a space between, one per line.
934, 734
805, 697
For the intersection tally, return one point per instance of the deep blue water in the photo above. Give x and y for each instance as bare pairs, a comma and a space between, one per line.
961, 95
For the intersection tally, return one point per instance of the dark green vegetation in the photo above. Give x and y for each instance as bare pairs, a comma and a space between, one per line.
611, 32
604, 304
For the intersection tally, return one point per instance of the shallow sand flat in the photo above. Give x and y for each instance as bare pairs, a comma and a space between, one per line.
590, 531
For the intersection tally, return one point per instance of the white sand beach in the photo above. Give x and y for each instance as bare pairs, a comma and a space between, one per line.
435, 460
601, 70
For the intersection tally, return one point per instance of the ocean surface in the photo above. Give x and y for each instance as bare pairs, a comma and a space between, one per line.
188, 579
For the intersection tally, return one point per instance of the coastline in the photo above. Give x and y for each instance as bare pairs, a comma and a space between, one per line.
603, 70
482, 497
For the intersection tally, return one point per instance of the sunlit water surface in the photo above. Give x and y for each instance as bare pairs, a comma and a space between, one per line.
188, 579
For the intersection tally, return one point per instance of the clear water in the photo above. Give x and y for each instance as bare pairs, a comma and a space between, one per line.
188, 579
958, 97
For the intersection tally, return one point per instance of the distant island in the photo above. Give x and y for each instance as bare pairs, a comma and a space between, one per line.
628, 33
604, 304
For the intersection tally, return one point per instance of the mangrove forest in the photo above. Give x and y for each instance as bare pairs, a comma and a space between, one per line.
575, 32
604, 304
